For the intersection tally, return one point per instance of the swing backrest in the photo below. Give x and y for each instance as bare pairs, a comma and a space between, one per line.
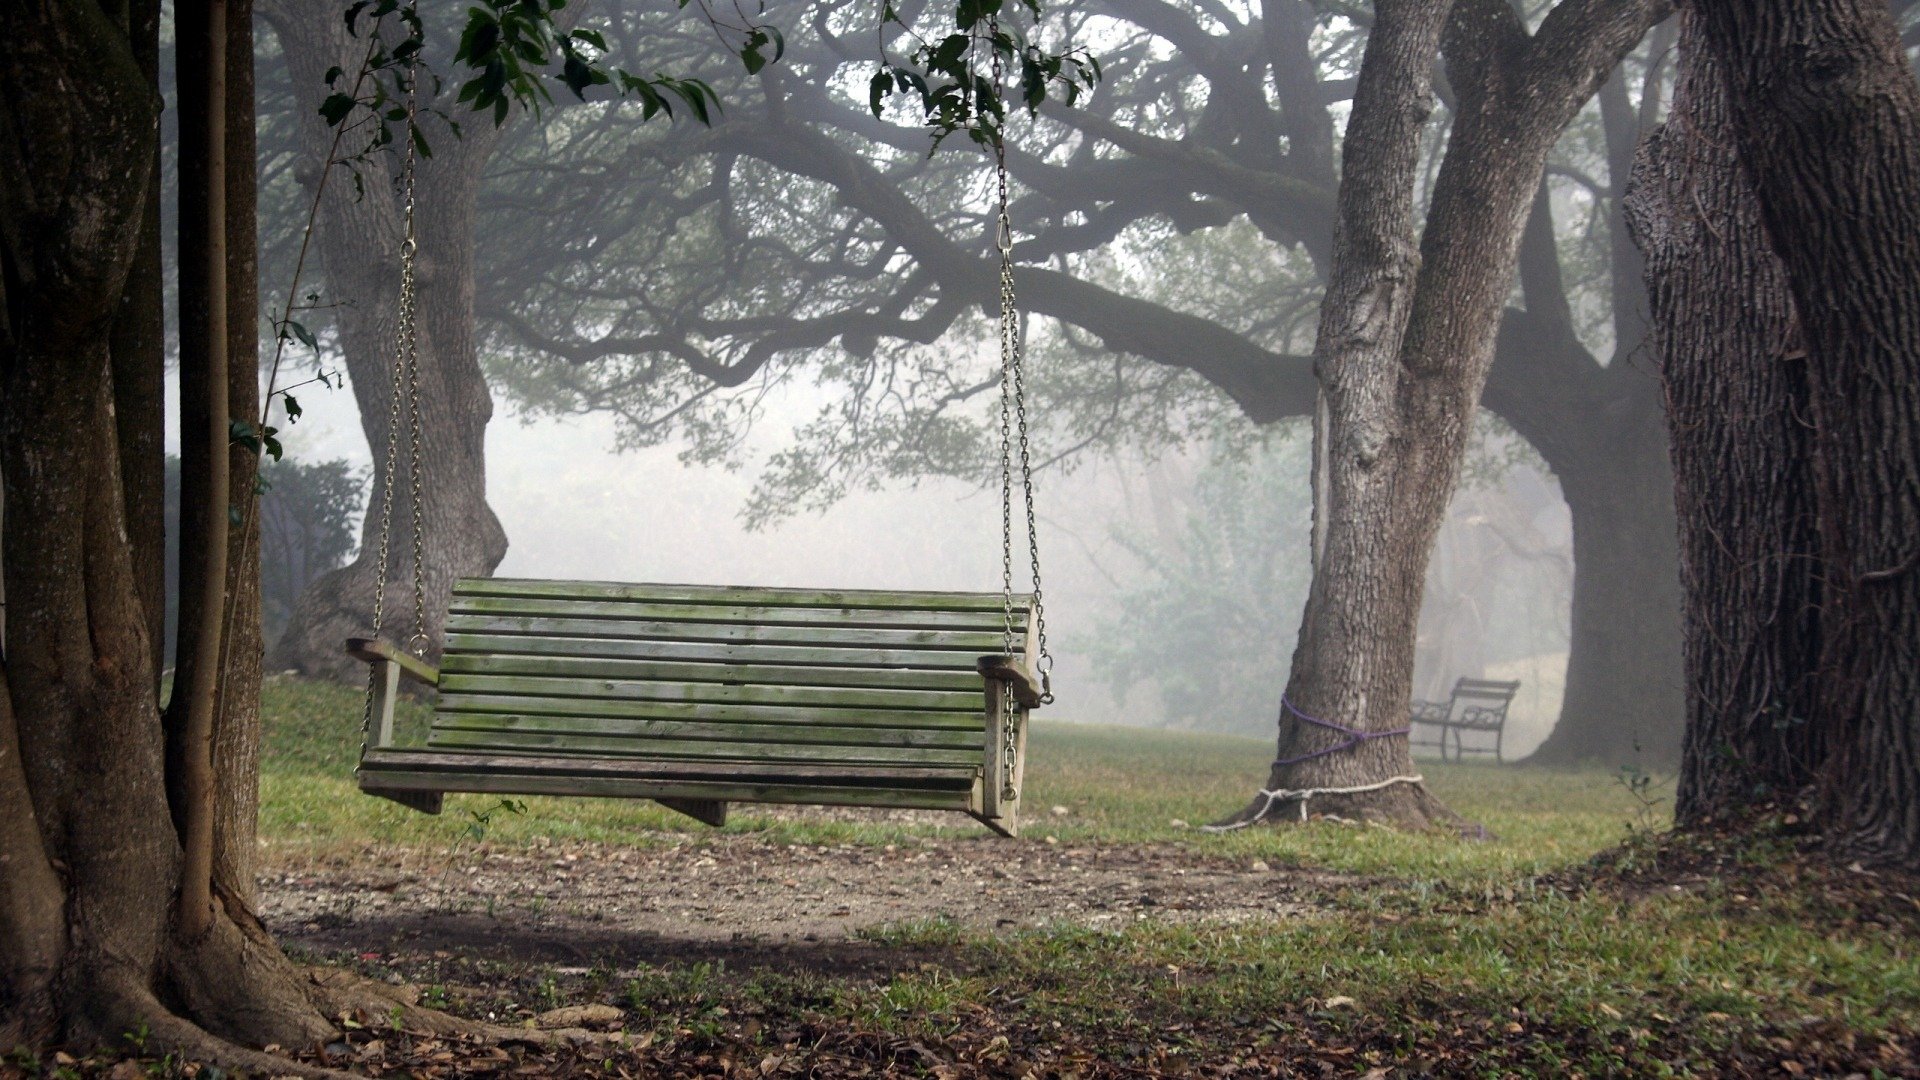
719, 673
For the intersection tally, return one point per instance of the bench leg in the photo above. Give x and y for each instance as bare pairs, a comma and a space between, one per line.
707, 811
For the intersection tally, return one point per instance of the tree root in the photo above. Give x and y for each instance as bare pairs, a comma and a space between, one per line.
1408, 807
129, 1017
336, 991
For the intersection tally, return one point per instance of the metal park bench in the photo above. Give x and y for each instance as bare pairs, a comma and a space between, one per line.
1476, 705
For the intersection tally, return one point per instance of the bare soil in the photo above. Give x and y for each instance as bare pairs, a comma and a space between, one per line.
740, 895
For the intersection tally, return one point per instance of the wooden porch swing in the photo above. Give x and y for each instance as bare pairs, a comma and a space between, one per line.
698, 696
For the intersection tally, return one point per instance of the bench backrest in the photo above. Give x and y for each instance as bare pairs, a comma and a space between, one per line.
718, 673
1486, 695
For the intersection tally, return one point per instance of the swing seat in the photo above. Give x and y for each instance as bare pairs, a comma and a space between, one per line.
701, 696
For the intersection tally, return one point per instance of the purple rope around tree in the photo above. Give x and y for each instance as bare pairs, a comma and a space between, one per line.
1353, 738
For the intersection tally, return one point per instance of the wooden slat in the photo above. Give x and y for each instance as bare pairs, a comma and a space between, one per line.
509, 783
643, 731
737, 594
717, 693
976, 642
722, 713
464, 643
430, 760
681, 671
742, 751
873, 618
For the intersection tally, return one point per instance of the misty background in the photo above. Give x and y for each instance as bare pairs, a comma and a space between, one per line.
1175, 555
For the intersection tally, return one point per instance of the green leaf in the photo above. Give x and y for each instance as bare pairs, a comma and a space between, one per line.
336, 108
878, 89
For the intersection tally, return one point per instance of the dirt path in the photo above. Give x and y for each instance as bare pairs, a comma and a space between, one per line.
734, 894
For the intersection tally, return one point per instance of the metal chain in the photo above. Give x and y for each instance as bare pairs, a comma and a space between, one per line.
406, 379
1013, 420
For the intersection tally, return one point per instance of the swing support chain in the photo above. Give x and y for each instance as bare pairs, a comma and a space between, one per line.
403, 409
1013, 430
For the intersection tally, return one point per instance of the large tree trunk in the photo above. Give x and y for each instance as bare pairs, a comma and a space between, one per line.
92, 951
1826, 115
359, 239
1737, 396
1355, 651
1404, 348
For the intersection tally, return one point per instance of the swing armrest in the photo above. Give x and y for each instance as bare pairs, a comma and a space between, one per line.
374, 651
1006, 669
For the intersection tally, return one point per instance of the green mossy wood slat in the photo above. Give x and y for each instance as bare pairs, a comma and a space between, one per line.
461, 643
964, 641
717, 693
445, 761
868, 618
737, 750
755, 674
808, 793
736, 594
725, 713
641, 732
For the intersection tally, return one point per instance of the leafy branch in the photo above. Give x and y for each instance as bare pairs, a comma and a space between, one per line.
955, 95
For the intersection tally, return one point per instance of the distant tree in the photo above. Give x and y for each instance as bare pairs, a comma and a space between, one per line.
308, 515
1208, 620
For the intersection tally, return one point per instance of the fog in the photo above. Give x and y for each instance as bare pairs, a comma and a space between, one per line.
573, 508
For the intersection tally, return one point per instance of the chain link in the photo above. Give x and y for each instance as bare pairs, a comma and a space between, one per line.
1013, 424
406, 379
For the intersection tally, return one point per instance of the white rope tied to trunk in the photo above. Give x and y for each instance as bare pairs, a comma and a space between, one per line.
1304, 794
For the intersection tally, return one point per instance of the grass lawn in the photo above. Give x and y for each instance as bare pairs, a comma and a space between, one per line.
1120, 785
1523, 954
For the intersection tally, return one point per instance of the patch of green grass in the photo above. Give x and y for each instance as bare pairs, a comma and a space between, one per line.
1118, 786
1543, 984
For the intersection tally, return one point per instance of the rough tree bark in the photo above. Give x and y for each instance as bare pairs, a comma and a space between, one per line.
1826, 117
89, 952
1738, 399
1405, 344
89, 856
359, 238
